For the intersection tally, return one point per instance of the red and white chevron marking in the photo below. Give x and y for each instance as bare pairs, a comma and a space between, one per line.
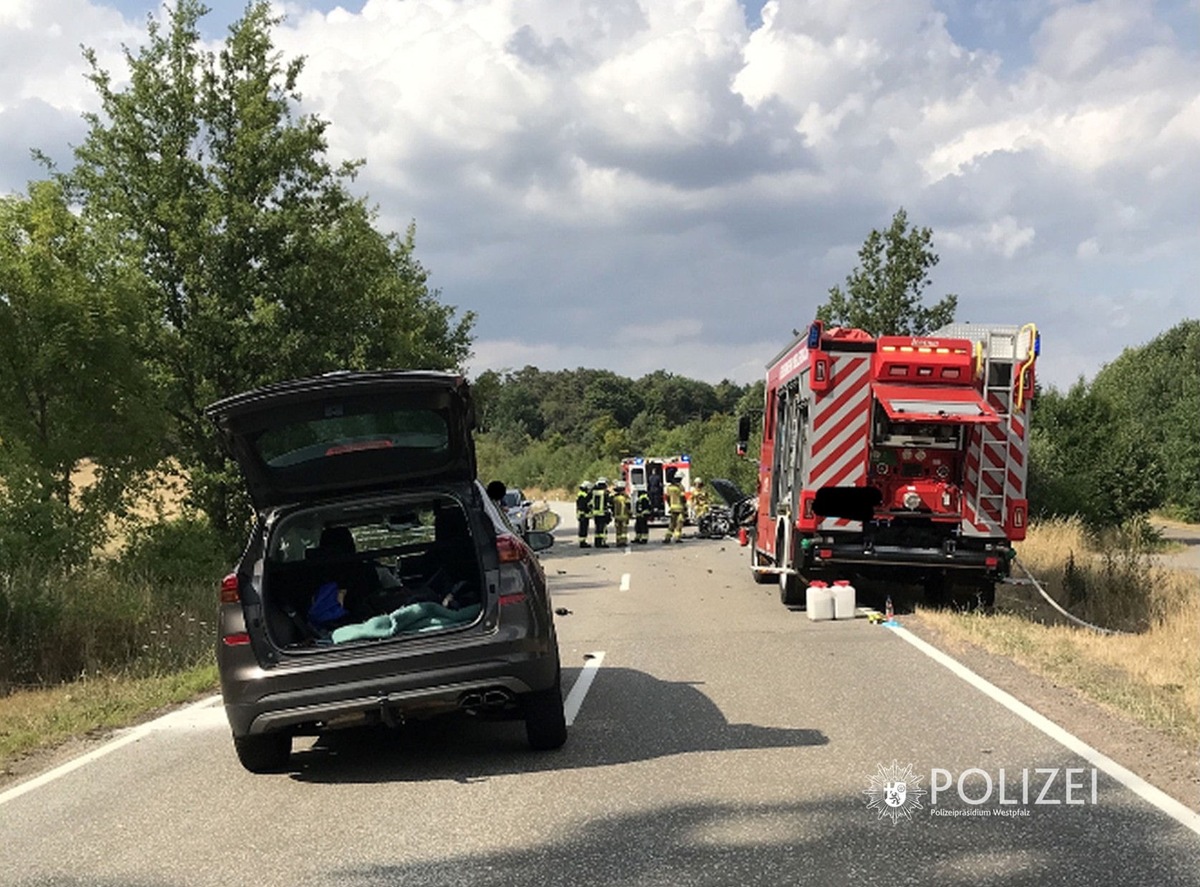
841, 426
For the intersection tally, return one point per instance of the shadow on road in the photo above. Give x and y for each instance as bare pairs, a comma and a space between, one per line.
627, 716
822, 841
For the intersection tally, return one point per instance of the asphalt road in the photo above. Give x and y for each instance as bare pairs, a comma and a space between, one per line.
723, 740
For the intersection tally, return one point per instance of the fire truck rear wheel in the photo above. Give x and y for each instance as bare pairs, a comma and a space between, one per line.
790, 592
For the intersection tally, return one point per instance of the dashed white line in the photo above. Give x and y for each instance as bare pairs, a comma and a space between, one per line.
624, 582
1160, 799
582, 683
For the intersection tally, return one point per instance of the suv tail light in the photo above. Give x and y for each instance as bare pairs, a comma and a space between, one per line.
510, 548
230, 590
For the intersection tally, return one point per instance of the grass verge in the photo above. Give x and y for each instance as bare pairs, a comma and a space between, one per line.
34, 720
1150, 674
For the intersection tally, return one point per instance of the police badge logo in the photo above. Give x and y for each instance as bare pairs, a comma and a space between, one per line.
895, 792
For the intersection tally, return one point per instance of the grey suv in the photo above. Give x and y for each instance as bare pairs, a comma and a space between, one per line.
379, 583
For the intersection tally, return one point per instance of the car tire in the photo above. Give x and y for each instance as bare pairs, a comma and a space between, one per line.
545, 720
264, 752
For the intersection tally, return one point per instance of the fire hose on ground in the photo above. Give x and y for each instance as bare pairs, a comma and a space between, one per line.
1059, 608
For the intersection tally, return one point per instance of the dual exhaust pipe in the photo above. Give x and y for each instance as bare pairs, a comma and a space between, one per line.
487, 700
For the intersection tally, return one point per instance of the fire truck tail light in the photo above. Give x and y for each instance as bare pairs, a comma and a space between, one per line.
991, 561
825, 553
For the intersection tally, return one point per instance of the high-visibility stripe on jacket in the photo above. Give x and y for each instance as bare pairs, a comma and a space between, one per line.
675, 498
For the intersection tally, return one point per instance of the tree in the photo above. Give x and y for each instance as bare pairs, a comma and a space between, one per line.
259, 262
883, 294
70, 386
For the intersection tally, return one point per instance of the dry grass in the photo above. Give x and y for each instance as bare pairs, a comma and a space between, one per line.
1151, 674
37, 719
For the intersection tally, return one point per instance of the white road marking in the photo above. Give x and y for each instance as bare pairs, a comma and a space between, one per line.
189, 715
1160, 799
624, 582
582, 683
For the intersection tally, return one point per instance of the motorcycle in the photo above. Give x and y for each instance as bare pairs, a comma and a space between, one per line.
715, 523
723, 519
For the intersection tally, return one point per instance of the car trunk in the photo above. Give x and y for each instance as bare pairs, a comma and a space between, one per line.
388, 570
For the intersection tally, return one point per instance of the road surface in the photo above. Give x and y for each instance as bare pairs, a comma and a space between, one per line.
722, 739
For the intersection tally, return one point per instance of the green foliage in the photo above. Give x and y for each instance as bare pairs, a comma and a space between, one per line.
258, 263
1127, 443
70, 386
57, 625
36, 526
173, 552
883, 294
553, 429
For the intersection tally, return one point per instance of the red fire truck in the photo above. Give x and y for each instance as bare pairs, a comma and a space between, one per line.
900, 458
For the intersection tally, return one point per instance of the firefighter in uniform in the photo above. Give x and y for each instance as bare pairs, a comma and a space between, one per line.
676, 505
601, 512
699, 499
583, 511
641, 518
620, 510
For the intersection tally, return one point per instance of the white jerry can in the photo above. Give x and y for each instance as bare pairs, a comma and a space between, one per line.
844, 600
818, 601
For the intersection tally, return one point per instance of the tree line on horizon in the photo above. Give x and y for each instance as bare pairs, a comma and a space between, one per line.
201, 244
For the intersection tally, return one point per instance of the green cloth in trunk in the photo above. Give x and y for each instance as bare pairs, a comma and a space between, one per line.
411, 618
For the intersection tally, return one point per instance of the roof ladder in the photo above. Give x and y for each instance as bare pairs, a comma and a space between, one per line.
999, 366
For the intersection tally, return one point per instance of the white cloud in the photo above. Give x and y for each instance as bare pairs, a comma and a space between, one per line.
655, 177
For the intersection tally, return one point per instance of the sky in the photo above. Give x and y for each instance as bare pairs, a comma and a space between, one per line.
676, 184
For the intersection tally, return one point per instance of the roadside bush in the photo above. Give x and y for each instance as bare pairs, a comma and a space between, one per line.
148, 613
176, 551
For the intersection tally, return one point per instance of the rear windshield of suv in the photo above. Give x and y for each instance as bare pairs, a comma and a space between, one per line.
416, 431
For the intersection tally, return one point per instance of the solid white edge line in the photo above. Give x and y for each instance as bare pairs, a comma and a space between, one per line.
133, 735
582, 683
624, 582
1140, 787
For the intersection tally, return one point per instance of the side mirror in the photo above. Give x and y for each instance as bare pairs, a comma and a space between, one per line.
743, 434
539, 540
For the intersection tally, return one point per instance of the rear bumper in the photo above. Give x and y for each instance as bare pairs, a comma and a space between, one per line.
261, 701
992, 563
